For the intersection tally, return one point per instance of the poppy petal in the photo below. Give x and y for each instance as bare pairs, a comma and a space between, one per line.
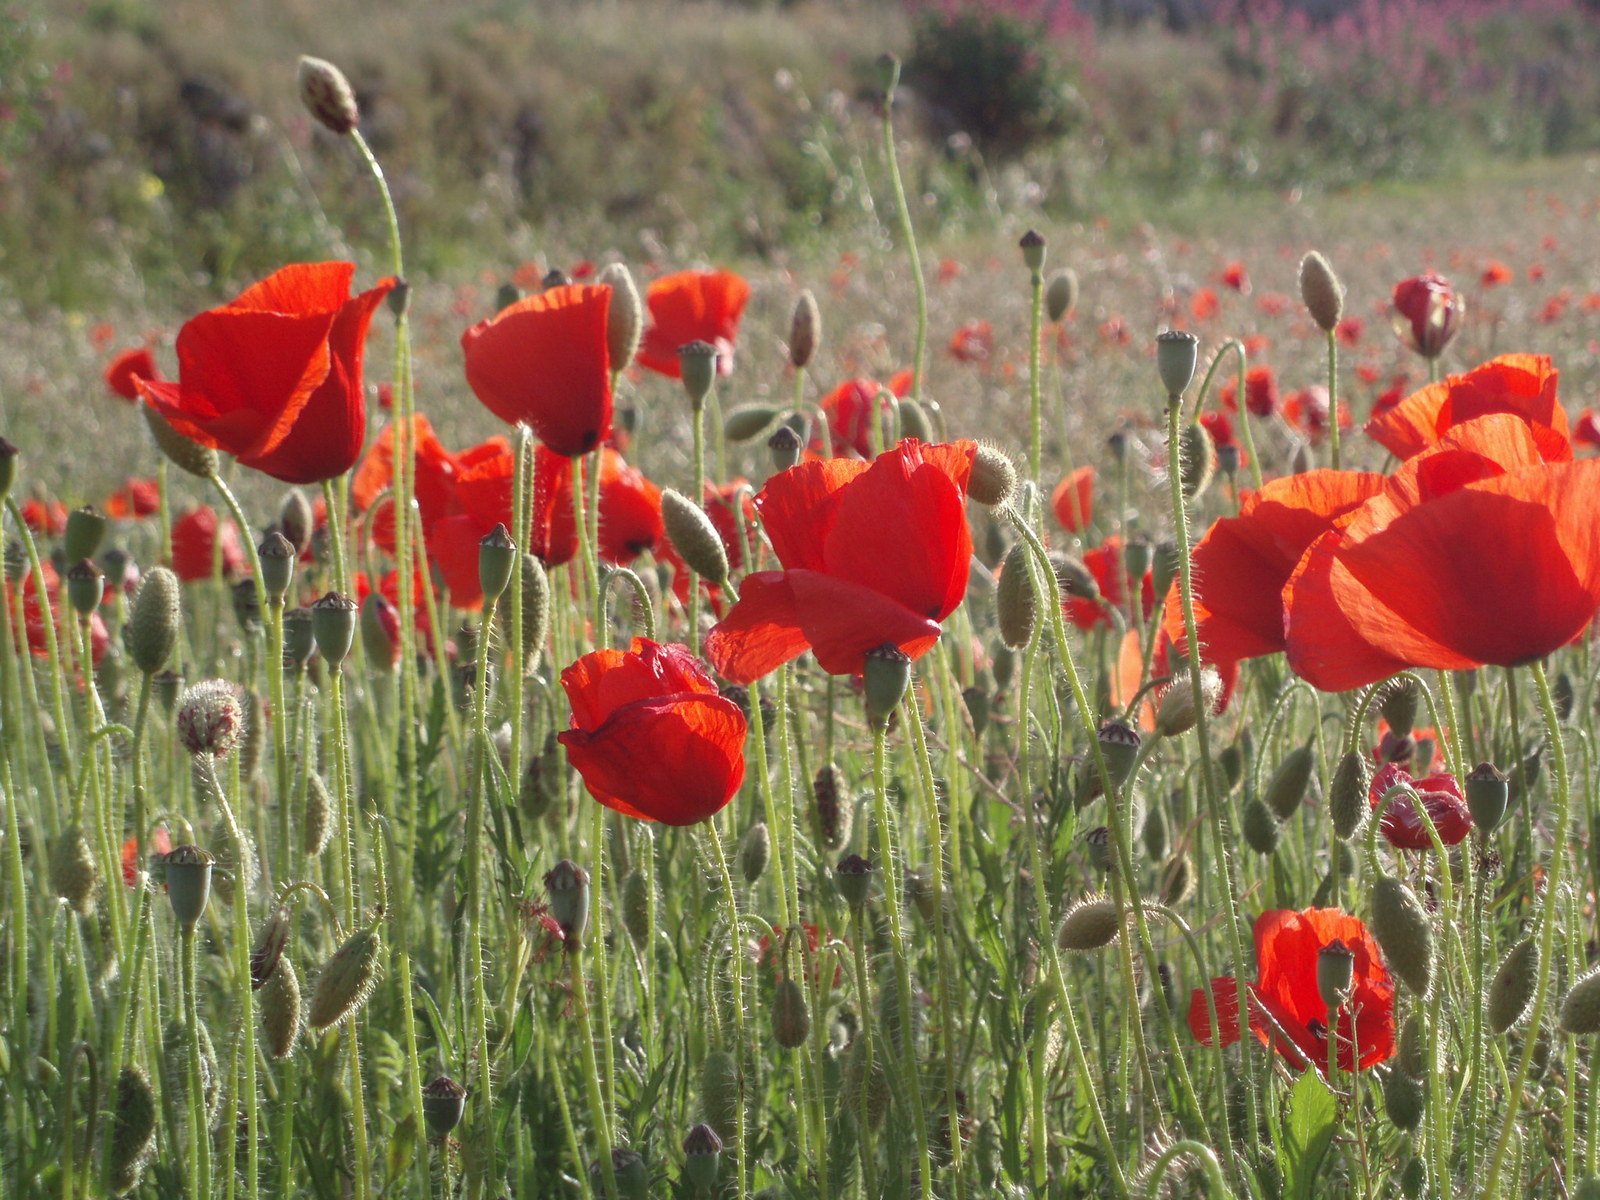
798, 508
761, 631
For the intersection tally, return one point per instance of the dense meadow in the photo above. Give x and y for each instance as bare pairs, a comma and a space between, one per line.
1023, 657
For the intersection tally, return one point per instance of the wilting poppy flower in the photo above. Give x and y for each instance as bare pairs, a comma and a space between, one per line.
1476, 552
1427, 312
1287, 1012
1242, 563
874, 553
544, 361
653, 704
135, 499
1073, 500
1521, 384
692, 306
1260, 392
126, 369
1441, 797
851, 408
194, 545
1106, 565
274, 376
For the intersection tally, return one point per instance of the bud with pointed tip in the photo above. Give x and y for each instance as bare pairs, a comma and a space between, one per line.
1177, 712
1402, 1101
1061, 296
1511, 990
694, 537
805, 330
296, 520
1321, 291
280, 1006
755, 852
625, 317
535, 608
1287, 788
831, 814
748, 421
1580, 1011
1197, 459
1015, 605
914, 421
791, 1019
327, 95
317, 827
1177, 354
1348, 802
74, 872
1091, 924
1260, 827
185, 454
347, 979
1401, 926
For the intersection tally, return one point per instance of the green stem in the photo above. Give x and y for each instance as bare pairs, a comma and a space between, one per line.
909, 234
736, 963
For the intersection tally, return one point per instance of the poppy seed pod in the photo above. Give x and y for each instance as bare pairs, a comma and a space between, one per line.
1260, 827
277, 556
133, 1129
784, 446
184, 453
791, 1019
347, 980
8, 467
210, 718
1321, 291
994, 478
120, 568
1177, 354
280, 1007
694, 537
1015, 607
1402, 1101
697, 362
831, 813
1511, 990
1488, 794
1098, 842
1580, 1011
748, 421
295, 520
246, 607
568, 887
497, 558
1348, 804
86, 529
1061, 296
299, 638
625, 318
74, 873
755, 852
1091, 924
805, 330
188, 872
886, 677
1119, 749
444, 1103
1336, 972
702, 1157
333, 625
853, 876
1032, 246
86, 584
1403, 930
1286, 790
327, 95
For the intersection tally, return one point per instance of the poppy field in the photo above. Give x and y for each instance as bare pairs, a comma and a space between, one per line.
1018, 714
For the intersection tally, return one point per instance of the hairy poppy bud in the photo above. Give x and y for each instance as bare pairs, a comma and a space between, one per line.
1403, 1101
994, 478
1177, 354
497, 557
210, 718
1412, 1053
1399, 705
1014, 602
625, 316
246, 607
695, 538
1321, 291
1231, 764
1401, 926
755, 852
831, 812
1061, 296
535, 608
1511, 990
1177, 712
444, 1103
1580, 1011
86, 529
568, 887
1032, 246
697, 363
1488, 794
133, 1129
8, 467
1228, 459
805, 330
978, 706
299, 640
86, 584
186, 455
1336, 972
748, 421
174, 1050
784, 445
327, 95
295, 520
1348, 803
347, 979
853, 877
636, 900
1090, 924
1002, 664
1164, 568
914, 422
721, 1092
1260, 827
886, 677
1197, 459
1176, 883
333, 624
1286, 791
317, 826
702, 1157
791, 1020
74, 873
280, 1010
188, 871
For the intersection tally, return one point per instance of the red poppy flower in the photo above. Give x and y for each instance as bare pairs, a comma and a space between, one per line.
653, 704
1287, 1009
1476, 552
1242, 563
1307, 411
1427, 313
1220, 426
35, 614
1105, 564
1494, 274
125, 370
1203, 305
1349, 330
47, 517
630, 510
194, 543
160, 843
544, 361
1441, 797
274, 377
1521, 384
874, 553
1235, 276
769, 951
1073, 500
692, 306
1260, 392
434, 477
973, 342
1166, 660
135, 499
850, 409
1586, 429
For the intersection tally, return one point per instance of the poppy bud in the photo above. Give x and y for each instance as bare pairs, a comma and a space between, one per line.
347, 980
748, 421
327, 95
785, 446
629, 1170
535, 608
702, 1157
1321, 291
1231, 762
74, 873
1119, 749
444, 1103
1580, 1011
210, 718
246, 608
186, 455
1033, 247
188, 872
380, 625
86, 529
133, 1129
1177, 353
166, 685
636, 908
1412, 1053
1061, 296
295, 520
175, 1051
1488, 794
1091, 924
1137, 555
1154, 835
993, 480
886, 676
268, 950
506, 295
85, 586
977, 704
1399, 705
914, 421
1287, 788
888, 73
831, 814
918, 890
805, 330
1401, 925
119, 567
299, 639
8, 467
853, 876
1336, 972
280, 1010
1098, 843
721, 1092
1164, 568
277, 556
1197, 459
1403, 1101
755, 852
1260, 827
497, 557
697, 363
1177, 711
1511, 990
333, 625
568, 887
625, 316
1002, 664
1073, 577
1177, 880
317, 826
694, 537
1348, 802
1228, 460
791, 1020
1014, 601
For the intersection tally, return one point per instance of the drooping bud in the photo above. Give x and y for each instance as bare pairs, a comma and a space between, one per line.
535, 609
888, 73
280, 1010
188, 872
296, 520
914, 421
979, 706
1177, 880
886, 677
1260, 827
444, 1103
1014, 602
133, 1129
1321, 291
1164, 568
210, 718
327, 95
347, 980
86, 584
1177, 712
721, 1092
8, 467
74, 872
1197, 459
86, 529
190, 456
805, 330
625, 317
1401, 925
755, 852
695, 538
317, 827
277, 556
1061, 296
1286, 790
497, 558
1177, 354
1336, 973
748, 421
831, 815
994, 479
1580, 1011
567, 885
791, 1019
1488, 794
1032, 246
785, 446
1402, 1101
1399, 705
1348, 803
1091, 924
1414, 1046
853, 876
333, 624
1511, 990
1231, 764
246, 605
697, 362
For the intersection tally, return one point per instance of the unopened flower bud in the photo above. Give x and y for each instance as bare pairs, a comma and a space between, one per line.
755, 852
1091, 924
805, 330
1287, 788
299, 638
831, 813
327, 95
1014, 602
1177, 712
347, 980
694, 537
1580, 1011
994, 479
185, 454
280, 1006
625, 317
1511, 990
1260, 827
74, 872
380, 632
1401, 926
1197, 459
1403, 1101
748, 421
1348, 802
1061, 296
1321, 291
791, 1019
1176, 883
295, 520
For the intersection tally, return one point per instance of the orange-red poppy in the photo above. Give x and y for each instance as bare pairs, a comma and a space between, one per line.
134, 499
1073, 500
1522, 384
1476, 552
274, 376
34, 615
1427, 312
1106, 565
653, 704
47, 517
875, 553
194, 545
1288, 1012
1260, 392
850, 410
544, 361
973, 342
692, 306
125, 370
1441, 798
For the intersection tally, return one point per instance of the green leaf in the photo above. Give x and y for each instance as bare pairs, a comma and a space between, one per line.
1307, 1134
